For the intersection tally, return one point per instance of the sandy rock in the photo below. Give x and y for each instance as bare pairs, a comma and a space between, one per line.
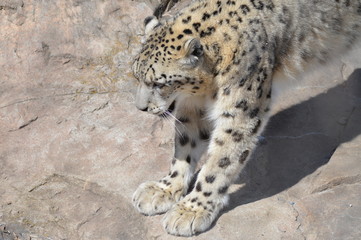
73, 147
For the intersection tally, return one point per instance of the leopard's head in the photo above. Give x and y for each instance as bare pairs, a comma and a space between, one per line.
171, 65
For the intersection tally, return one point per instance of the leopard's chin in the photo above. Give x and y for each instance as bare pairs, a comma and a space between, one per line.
168, 111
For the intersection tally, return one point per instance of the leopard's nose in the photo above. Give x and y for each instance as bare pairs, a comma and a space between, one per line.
142, 98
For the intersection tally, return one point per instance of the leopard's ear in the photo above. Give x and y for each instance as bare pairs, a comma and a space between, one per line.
150, 23
193, 47
194, 53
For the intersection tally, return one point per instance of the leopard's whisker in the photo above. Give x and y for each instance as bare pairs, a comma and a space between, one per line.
167, 114
175, 118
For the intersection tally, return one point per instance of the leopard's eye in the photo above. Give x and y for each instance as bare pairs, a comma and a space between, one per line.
158, 85
136, 77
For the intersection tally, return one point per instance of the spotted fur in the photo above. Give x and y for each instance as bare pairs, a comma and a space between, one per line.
213, 64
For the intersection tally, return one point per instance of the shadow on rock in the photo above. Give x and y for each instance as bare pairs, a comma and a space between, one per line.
299, 140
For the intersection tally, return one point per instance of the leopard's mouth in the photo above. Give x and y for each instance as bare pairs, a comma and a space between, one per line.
169, 110
171, 107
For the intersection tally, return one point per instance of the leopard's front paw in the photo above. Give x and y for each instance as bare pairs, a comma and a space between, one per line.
157, 197
190, 216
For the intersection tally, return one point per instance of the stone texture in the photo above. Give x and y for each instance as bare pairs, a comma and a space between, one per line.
73, 148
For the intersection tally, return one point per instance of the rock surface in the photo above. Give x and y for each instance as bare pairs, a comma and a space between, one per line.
73, 148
